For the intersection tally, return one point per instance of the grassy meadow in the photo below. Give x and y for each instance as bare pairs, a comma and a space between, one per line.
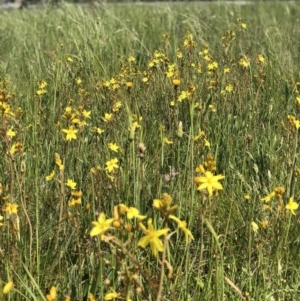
149, 152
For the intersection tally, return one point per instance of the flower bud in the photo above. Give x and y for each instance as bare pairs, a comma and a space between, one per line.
180, 130
132, 133
176, 82
116, 224
129, 85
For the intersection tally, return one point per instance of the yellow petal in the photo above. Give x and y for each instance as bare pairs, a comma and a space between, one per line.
8, 286
95, 231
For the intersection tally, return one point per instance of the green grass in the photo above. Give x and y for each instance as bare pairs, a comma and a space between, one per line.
252, 141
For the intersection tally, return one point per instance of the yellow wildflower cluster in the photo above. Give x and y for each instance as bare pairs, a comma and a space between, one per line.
41, 90
294, 122
202, 141
128, 220
208, 181
278, 193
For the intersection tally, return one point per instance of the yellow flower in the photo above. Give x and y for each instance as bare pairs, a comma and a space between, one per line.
167, 141
41, 91
176, 82
110, 177
266, 207
111, 165
164, 203
170, 73
260, 58
116, 107
269, 197
129, 85
98, 131
200, 168
297, 123
179, 54
247, 197
50, 177
11, 133
108, 117
134, 212
11, 208
207, 58
52, 295
12, 149
7, 287
74, 202
210, 182
254, 226
184, 95
42, 84
292, 205
229, 88
70, 183
264, 224
86, 114
58, 162
182, 226
206, 143
78, 80
111, 296
294, 121
279, 191
131, 59
244, 62
102, 225
152, 237
212, 66
113, 146
91, 297
71, 133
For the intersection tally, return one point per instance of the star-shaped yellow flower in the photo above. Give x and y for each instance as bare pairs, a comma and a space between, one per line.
11, 133
70, 133
86, 114
113, 146
111, 165
152, 237
182, 226
209, 182
292, 205
11, 208
102, 225
107, 117
269, 196
134, 212
52, 294
70, 183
